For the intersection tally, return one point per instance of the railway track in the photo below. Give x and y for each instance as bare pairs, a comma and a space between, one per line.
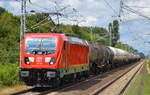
22, 92
64, 88
44, 91
101, 90
31, 91
86, 87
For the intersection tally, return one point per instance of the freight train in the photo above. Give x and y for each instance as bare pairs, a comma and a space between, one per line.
48, 59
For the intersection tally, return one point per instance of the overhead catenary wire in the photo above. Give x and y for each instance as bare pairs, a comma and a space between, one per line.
120, 10
39, 6
131, 10
139, 6
47, 18
40, 23
30, 8
59, 11
135, 12
111, 7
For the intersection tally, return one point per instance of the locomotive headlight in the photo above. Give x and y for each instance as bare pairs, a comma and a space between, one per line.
26, 60
31, 59
47, 59
51, 63
28, 63
50, 60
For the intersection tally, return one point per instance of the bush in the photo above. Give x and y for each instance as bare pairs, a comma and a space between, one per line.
9, 74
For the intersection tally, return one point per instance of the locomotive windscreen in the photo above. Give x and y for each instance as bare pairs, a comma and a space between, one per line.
41, 46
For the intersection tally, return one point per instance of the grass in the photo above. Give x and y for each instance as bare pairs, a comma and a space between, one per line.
148, 62
141, 84
137, 89
9, 79
9, 75
146, 88
132, 90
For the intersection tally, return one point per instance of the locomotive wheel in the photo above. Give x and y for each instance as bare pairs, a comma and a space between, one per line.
109, 67
79, 75
113, 65
94, 69
86, 74
74, 79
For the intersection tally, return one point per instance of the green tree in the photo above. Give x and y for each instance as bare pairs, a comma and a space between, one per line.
2, 10
76, 30
114, 29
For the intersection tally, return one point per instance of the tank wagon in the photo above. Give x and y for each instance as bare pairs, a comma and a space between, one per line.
49, 59
100, 57
119, 56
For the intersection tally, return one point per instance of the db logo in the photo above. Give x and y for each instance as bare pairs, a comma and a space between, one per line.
39, 59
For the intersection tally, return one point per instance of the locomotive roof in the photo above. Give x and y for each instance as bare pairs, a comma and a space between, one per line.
75, 40
42, 34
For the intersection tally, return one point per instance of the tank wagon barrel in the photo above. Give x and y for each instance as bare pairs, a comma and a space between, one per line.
119, 56
100, 57
99, 53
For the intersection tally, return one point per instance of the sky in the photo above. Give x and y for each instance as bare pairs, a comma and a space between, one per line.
134, 29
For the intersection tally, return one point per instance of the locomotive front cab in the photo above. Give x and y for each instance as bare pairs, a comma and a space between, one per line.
40, 52
39, 58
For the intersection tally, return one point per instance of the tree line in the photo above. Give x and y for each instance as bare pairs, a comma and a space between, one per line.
10, 31
10, 38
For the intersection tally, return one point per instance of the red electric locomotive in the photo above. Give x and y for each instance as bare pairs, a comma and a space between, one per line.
48, 58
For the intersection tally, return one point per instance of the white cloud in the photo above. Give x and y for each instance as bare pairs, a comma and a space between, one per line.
1, 4
96, 4
73, 3
15, 5
90, 19
143, 3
